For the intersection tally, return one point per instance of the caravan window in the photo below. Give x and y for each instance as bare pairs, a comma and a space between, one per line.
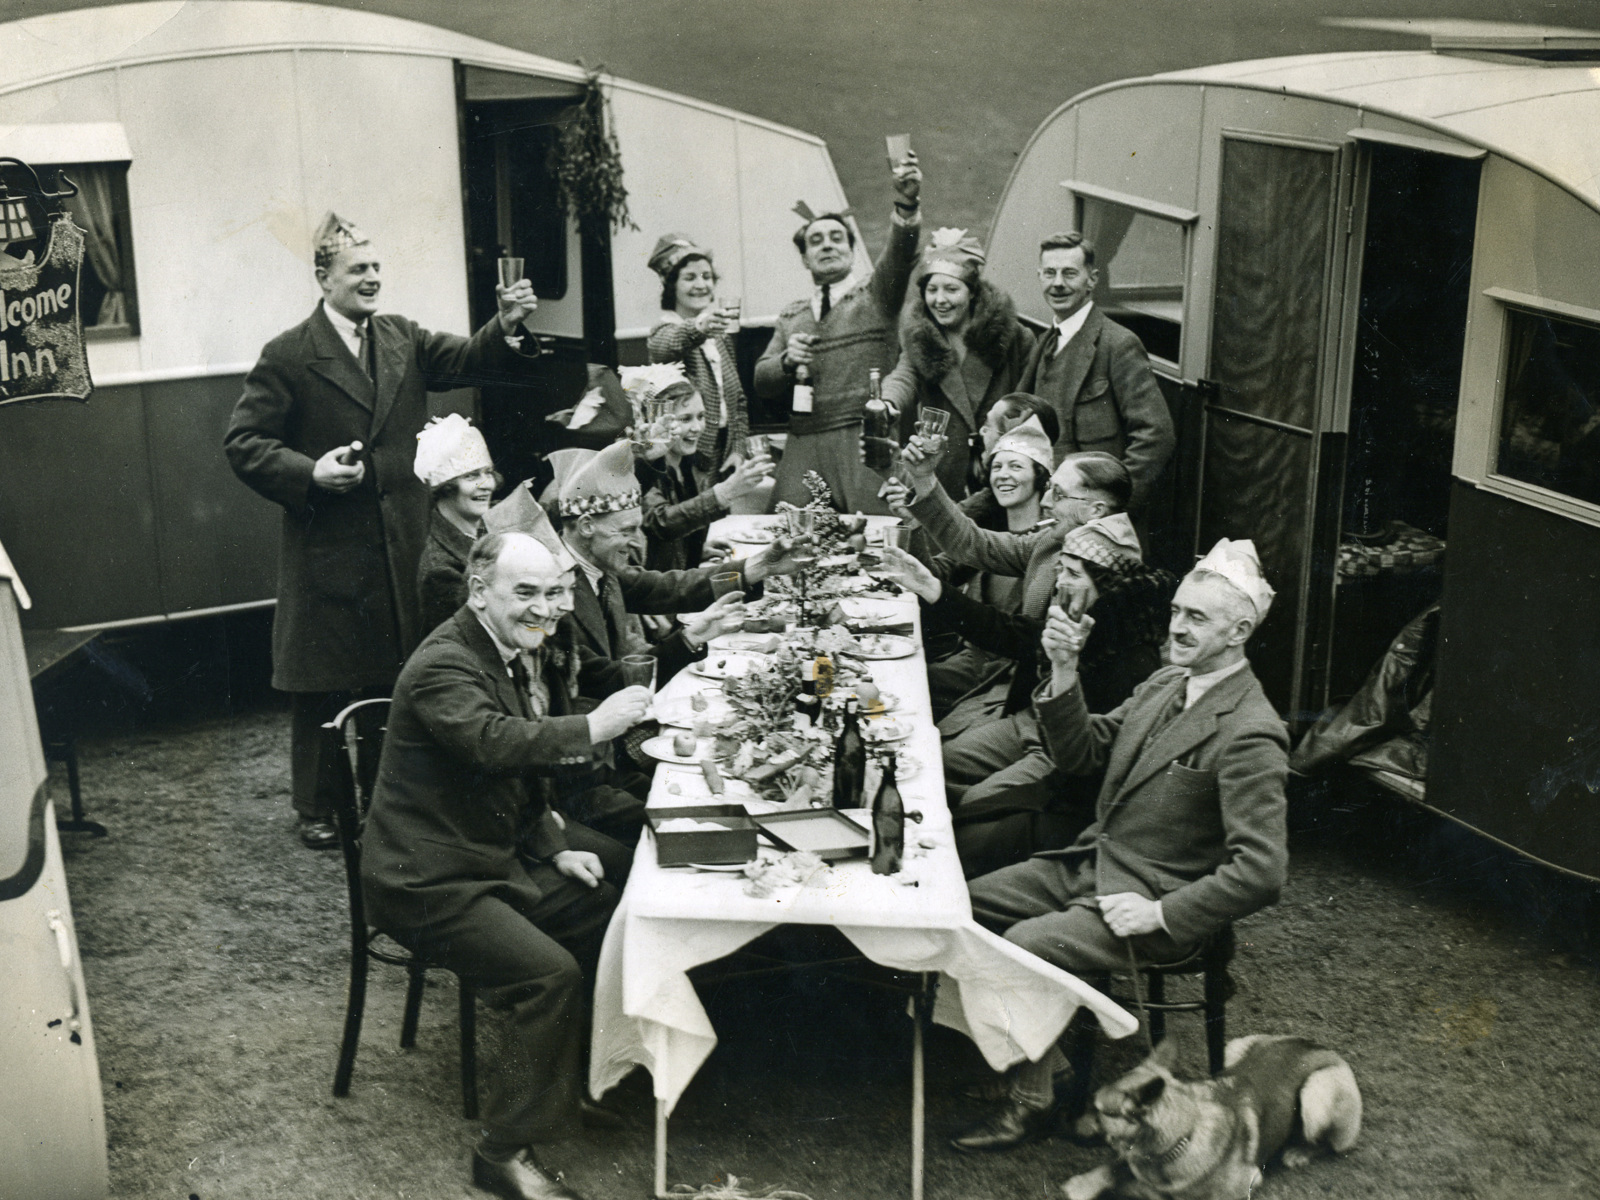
109, 298
1550, 422
1142, 266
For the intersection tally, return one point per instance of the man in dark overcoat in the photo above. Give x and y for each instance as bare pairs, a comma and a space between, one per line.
1095, 371
1190, 823
463, 859
327, 429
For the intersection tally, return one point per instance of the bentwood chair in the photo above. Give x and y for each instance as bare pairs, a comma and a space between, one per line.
355, 740
1210, 961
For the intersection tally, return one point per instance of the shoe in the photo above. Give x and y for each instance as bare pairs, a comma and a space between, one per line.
1007, 1126
520, 1177
997, 1088
597, 1116
318, 835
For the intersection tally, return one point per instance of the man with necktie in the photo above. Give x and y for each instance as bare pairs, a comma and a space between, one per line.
1190, 821
1095, 372
844, 329
327, 429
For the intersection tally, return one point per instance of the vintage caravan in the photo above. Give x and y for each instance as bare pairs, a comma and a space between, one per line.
208, 138
52, 1119
1370, 283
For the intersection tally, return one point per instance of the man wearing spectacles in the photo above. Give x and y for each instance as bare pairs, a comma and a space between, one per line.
1095, 372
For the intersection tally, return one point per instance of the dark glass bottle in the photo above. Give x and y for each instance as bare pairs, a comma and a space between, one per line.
888, 823
877, 440
849, 761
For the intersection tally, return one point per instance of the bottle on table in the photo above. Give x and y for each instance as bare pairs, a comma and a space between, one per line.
888, 822
806, 703
803, 396
877, 435
849, 761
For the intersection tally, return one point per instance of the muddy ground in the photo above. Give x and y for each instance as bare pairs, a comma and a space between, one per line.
1459, 985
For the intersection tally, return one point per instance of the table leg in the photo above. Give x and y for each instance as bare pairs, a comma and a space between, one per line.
919, 1005
661, 1150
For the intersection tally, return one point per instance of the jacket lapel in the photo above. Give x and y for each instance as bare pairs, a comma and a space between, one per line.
1187, 730
391, 362
1075, 362
333, 361
586, 610
477, 638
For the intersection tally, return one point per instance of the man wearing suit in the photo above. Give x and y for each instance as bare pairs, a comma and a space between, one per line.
463, 860
1096, 372
846, 327
1190, 821
327, 428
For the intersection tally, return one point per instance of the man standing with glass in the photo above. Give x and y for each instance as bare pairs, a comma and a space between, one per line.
327, 429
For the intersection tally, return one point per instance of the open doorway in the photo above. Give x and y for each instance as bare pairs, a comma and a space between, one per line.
1416, 267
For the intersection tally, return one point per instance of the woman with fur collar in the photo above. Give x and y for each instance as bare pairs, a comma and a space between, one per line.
961, 349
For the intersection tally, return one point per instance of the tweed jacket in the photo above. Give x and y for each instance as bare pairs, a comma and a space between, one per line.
1107, 399
638, 591
677, 340
1193, 816
461, 793
347, 565
928, 375
857, 334
442, 573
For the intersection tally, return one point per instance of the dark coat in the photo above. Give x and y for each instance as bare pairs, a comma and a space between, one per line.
442, 573
347, 563
928, 375
639, 591
458, 801
678, 507
1194, 816
1107, 398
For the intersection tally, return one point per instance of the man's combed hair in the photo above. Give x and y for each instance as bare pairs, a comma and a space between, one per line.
1103, 473
800, 234
485, 553
1069, 241
1240, 606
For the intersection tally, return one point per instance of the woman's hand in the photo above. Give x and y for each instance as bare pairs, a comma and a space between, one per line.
1063, 641
747, 478
910, 574
919, 462
712, 322
898, 497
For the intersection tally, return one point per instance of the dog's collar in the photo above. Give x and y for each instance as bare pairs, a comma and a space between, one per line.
1173, 1152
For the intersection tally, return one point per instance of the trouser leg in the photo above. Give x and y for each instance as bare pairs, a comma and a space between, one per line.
983, 750
312, 778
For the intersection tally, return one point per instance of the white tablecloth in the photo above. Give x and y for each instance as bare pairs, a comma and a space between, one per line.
1012, 1004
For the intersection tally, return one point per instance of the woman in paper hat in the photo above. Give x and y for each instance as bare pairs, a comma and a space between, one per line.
962, 348
698, 332
453, 462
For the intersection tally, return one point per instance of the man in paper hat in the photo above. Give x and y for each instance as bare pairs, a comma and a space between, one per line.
1189, 832
843, 329
327, 429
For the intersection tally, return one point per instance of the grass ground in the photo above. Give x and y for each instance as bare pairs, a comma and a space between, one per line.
214, 952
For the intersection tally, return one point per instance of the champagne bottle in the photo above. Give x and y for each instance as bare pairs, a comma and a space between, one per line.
888, 823
877, 443
802, 389
849, 761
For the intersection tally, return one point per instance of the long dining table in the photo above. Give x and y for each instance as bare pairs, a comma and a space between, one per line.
1012, 1004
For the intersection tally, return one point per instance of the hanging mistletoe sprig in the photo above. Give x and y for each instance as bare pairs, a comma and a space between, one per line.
587, 162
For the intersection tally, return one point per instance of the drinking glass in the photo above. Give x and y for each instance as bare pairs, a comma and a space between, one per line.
510, 271
732, 307
802, 522
724, 582
931, 422
756, 445
639, 670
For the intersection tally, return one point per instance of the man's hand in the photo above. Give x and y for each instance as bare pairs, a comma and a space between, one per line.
919, 462
775, 559
726, 615
908, 181
898, 497
339, 469
715, 551
517, 304
1063, 641
798, 351
581, 865
747, 478
618, 713
910, 574
1129, 914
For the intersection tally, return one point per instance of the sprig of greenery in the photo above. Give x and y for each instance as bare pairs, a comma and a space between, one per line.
586, 161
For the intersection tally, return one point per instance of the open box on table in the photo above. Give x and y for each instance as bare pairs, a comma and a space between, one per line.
734, 843
825, 832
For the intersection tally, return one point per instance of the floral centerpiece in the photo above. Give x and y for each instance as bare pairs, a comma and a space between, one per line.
761, 744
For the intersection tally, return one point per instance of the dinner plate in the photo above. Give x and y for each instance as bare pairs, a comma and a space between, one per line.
660, 749
681, 712
722, 666
858, 609
749, 643
885, 729
724, 868
693, 789
885, 645
889, 700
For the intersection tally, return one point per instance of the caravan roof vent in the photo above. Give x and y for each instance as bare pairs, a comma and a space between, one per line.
1506, 41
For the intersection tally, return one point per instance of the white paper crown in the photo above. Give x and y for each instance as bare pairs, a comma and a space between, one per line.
1238, 563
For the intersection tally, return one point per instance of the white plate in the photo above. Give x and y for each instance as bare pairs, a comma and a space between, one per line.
722, 666
660, 749
680, 711
749, 643
693, 789
885, 645
889, 700
881, 730
872, 610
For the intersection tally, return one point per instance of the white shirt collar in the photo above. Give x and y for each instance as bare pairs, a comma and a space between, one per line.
349, 330
590, 571
1067, 328
507, 653
1199, 685
836, 292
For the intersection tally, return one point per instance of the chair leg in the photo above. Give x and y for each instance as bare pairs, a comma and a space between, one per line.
1156, 993
1080, 1037
355, 1005
1216, 1015
469, 1049
408, 1023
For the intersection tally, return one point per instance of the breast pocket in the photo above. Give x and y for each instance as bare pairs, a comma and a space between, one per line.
1095, 418
1186, 781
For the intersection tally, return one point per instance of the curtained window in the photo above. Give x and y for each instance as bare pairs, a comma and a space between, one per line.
108, 300
1142, 267
1550, 422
